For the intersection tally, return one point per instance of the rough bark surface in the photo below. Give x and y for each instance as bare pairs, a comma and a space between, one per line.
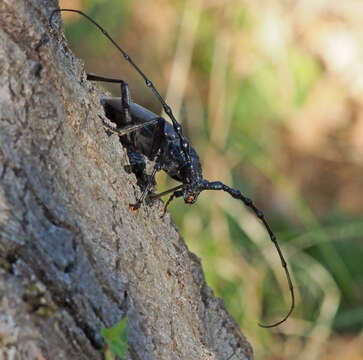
73, 258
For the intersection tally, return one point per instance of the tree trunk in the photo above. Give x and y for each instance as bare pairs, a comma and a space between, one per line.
73, 258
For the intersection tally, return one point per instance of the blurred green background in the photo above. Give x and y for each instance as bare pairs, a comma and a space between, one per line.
270, 94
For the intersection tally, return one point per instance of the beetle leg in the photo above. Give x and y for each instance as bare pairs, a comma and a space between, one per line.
136, 206
157, 196
171, 198
125, 95
128, 128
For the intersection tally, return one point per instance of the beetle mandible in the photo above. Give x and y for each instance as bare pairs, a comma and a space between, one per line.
144, 133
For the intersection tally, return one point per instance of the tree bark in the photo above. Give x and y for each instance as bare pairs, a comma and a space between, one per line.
73, 258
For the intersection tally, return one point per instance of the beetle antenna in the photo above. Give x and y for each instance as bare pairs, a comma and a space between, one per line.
177, 127
236, 194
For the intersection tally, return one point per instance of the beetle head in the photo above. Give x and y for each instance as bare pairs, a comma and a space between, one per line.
192, 190
190, 193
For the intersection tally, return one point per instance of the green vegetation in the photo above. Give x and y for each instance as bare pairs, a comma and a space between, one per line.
116, 339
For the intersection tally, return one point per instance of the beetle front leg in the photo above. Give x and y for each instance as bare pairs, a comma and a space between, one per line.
174, 195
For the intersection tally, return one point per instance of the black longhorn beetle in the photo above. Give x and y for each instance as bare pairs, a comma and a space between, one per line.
144, 133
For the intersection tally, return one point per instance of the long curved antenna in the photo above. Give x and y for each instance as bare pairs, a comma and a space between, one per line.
177, 127
236, 194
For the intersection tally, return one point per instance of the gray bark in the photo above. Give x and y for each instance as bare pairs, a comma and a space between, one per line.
73, 258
